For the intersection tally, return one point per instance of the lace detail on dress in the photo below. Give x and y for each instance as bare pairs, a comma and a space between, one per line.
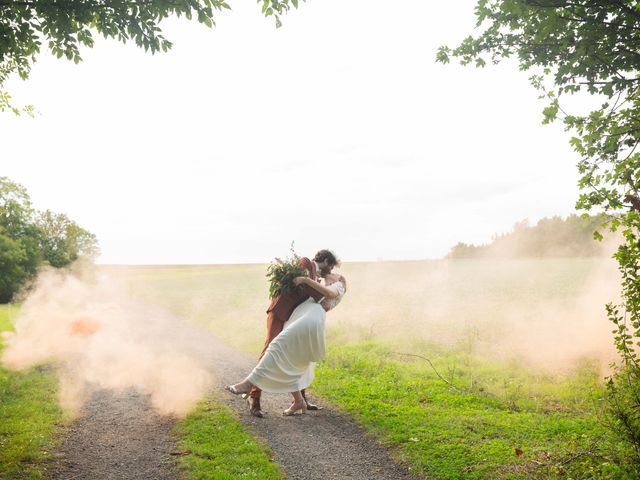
331, 303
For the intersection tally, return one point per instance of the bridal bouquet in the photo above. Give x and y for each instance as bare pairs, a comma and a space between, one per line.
282, 272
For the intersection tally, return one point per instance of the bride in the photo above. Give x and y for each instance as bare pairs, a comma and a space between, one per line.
288, 365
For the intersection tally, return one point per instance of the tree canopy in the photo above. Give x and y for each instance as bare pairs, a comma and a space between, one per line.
64, 26
590, 47
571, 47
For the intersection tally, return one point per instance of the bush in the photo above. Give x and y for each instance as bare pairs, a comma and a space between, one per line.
13, 267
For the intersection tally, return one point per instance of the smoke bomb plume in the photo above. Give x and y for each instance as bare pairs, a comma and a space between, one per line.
544, 313
99, 337
547, 313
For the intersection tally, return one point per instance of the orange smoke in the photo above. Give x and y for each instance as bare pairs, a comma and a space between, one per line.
99, 337
84, 327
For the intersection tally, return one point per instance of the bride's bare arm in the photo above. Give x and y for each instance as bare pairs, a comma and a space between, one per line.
328, 292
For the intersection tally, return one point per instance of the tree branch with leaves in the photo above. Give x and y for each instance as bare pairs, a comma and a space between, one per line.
64, 26
588, 48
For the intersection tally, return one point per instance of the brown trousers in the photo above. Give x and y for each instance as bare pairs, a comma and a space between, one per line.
274, 328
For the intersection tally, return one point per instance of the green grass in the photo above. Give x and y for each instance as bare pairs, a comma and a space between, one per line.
29, 416
472, 432
217, 447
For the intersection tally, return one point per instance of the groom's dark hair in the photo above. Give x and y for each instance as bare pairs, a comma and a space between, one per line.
327, 255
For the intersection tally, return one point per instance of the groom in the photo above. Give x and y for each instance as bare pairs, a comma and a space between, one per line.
281, 308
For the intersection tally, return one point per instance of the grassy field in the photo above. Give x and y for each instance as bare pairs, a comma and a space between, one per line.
227, 299
546, 312
217, 447
525, 343
29, 417
498, 421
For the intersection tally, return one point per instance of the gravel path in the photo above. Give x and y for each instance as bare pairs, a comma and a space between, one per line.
119, 437
318, 445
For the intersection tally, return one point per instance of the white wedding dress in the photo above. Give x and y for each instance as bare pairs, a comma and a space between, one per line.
288, 365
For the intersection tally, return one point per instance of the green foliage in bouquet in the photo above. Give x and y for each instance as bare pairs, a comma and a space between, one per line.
282, 272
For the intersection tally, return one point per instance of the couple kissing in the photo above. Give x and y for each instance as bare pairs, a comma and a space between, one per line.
295, 336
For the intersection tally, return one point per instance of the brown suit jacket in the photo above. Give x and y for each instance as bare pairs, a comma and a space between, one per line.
282, 306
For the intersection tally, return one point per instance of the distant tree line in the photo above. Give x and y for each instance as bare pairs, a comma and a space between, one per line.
550, 237
30, 239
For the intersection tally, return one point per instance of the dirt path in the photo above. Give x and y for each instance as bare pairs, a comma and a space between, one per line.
317, 445
120, 437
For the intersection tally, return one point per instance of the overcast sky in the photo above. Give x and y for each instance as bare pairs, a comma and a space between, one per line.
338, 130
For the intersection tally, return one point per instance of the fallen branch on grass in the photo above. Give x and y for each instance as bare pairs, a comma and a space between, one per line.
589, 452
433, 368
509, 406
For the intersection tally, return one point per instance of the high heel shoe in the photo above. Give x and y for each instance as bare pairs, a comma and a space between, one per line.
232, 389
293, 411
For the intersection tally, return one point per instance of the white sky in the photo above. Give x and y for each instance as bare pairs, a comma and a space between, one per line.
338, 130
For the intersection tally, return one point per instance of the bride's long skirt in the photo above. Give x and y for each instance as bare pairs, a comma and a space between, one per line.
288, 365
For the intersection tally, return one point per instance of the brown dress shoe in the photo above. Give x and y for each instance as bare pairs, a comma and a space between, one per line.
254, 407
